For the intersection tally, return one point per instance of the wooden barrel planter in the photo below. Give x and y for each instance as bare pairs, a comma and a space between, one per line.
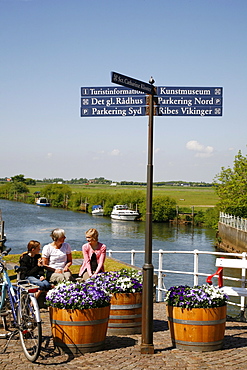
79, 331
197, 329
125, 314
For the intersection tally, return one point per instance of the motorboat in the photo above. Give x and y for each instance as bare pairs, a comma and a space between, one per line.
123, 213
97, 210
42, 201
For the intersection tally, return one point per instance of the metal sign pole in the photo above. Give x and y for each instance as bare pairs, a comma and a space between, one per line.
147, 346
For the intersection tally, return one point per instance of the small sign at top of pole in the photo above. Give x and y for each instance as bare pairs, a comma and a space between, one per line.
132, 83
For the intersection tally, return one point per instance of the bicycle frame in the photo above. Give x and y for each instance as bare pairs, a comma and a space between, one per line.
25, 312
14, 293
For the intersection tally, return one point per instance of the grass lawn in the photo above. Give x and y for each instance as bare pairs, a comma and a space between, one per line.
185, 196
110, 264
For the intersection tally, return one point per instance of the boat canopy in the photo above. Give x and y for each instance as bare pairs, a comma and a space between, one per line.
96, 206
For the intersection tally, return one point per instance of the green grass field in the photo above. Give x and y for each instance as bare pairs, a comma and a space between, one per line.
185, 196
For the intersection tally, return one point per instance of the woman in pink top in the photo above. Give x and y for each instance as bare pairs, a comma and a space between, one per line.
94, 254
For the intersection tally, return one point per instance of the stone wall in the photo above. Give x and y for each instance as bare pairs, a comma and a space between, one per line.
231, 239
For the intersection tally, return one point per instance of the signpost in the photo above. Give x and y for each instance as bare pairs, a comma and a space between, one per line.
132, 101
147, 346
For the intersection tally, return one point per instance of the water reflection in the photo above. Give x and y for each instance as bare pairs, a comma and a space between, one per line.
124, 228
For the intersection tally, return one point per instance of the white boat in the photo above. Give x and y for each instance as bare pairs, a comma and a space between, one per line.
42, 201
97, 210
123, 213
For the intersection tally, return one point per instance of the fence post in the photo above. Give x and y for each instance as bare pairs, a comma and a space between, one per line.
243, 277
132, 257
160, 276
110, 252
196, 267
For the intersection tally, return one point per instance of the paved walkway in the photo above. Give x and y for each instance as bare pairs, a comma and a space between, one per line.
123, 352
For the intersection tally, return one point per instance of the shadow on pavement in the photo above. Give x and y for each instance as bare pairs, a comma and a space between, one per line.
160, 325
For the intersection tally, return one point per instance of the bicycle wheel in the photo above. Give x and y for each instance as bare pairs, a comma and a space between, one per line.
29, 328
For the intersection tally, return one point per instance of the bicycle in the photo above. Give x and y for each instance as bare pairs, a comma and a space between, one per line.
18, 302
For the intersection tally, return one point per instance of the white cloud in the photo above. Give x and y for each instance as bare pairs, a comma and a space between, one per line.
157, 150
49, 155
201, 150
115, 152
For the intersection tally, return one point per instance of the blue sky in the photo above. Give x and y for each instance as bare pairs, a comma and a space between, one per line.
51, 48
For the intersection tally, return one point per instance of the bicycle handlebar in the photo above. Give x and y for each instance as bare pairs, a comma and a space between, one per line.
6, 252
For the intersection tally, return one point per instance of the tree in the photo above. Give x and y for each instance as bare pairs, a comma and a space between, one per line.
30, 181
19, 187
21, 178
231, 187
18, 178
163, 209
58, 194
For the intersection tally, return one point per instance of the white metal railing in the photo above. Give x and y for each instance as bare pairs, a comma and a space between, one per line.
161, 289
238, 223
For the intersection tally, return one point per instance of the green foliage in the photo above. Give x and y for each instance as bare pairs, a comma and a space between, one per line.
18, 178
240, 211
231, 187
5, 190
29, 181
58, 194
21, 178
199, 218
211, 217
19, 187
16, 189
13, 190
164, 209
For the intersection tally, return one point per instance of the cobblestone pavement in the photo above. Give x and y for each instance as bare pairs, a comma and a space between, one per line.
123, 352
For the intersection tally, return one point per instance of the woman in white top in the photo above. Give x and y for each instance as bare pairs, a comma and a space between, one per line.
57, 258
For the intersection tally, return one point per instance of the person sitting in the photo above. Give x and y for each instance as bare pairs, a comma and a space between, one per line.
57, 258
94, 254
32, 268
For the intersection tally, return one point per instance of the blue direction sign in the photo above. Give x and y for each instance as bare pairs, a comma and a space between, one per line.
189, 101
113, 111
109, 91
170, 101
202, 111
113, 101
132, 83
183, 101
189, 91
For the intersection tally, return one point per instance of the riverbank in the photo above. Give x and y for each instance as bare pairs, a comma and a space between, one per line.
167, 201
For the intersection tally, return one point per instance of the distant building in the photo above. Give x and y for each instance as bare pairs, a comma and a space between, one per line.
113, 184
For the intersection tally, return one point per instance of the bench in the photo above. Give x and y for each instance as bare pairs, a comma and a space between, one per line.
233, 263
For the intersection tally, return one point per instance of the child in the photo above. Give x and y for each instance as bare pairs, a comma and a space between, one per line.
32, 265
